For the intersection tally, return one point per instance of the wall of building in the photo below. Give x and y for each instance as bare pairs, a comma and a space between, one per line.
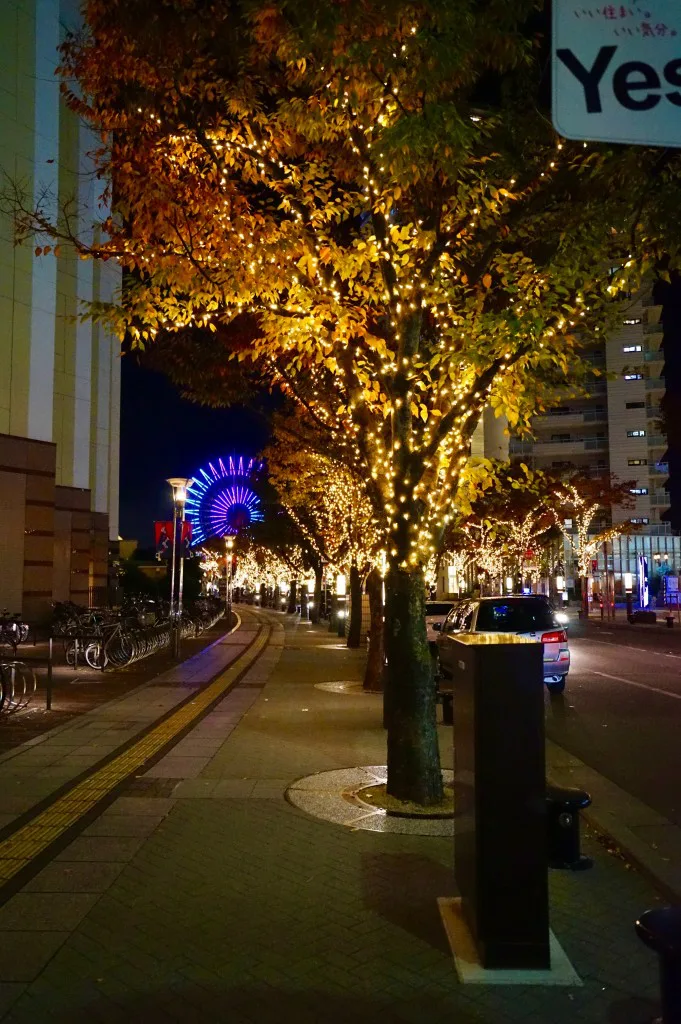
27, 499
59, 378
614, 430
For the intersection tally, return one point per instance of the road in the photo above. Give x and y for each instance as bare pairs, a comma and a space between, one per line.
621, 711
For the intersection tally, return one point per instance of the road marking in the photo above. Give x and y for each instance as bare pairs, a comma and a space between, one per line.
24, 845
640, 686
626, 647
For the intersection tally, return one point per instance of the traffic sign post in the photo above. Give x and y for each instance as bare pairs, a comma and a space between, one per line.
617, 71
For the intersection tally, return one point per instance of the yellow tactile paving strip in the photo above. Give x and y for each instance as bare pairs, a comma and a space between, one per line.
29, 841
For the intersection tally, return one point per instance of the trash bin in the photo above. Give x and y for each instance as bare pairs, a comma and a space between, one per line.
660, 930
500, 842
562, 821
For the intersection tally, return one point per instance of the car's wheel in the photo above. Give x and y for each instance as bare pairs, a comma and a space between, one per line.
558, 687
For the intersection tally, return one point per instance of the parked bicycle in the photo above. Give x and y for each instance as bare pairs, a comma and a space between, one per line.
13, 630
142, 628
17, 685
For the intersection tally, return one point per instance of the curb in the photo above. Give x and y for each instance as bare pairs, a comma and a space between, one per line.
645, 838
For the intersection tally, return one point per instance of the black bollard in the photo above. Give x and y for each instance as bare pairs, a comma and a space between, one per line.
562, 822
660, 930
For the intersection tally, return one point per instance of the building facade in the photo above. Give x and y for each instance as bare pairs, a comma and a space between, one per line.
59, 377
615, 431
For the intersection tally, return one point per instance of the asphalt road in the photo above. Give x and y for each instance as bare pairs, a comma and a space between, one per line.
621, 711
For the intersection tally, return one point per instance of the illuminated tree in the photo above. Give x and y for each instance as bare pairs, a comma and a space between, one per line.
258, 566
487, 555
459, 561
377, 185
211, 569
502, 517
576, 503
331, 508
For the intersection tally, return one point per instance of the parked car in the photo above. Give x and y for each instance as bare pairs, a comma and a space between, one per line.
436, 612
529, 615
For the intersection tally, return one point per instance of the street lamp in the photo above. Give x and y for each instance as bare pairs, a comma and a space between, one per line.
179, 485
229, 547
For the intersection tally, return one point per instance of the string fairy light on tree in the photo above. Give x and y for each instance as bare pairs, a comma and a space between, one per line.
577, 505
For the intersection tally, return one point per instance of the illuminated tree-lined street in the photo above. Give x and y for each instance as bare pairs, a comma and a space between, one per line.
380, 190
351, 239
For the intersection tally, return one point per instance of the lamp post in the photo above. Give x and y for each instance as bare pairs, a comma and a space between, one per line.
229, 547
179, 485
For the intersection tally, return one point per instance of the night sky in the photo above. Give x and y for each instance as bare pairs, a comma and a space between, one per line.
164, 435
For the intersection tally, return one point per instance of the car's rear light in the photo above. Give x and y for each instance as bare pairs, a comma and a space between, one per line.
558, 636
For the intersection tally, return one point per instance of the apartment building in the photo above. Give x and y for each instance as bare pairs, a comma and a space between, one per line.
614, 430
59, 378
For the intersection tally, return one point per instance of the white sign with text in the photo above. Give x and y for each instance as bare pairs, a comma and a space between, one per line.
617, 71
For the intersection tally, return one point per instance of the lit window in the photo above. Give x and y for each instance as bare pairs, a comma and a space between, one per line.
637, 462
632, 348
633, 376
636, 405
636, 321
638, 490
636, 433
640, 519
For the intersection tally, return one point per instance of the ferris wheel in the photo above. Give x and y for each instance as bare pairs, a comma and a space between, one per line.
221, 499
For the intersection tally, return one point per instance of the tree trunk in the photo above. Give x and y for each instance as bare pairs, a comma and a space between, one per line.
303, 603
316, 612
373, 673
584, 584
355, 624
413, 757
277, 599
292, 598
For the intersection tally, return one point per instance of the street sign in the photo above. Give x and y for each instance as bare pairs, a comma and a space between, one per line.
617, 71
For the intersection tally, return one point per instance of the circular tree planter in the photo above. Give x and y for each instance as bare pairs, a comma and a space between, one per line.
378, 798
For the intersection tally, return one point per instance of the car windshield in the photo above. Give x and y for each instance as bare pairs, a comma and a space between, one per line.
514, 615
437, 608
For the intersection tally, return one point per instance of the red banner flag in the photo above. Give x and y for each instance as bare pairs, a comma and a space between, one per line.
163, 532
186, 539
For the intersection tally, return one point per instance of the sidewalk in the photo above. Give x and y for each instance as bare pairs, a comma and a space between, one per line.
577, 622
76, 691
194, 892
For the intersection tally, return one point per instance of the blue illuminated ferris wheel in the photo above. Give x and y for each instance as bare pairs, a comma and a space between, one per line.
221, 499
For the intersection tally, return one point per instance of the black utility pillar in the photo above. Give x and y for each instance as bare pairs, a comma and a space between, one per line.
500, 846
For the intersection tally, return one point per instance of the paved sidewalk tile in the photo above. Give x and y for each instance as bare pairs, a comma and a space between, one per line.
172, 767
194, 788
140, 805
25, 954
44, 912
101, 848
75, 876
124, 825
